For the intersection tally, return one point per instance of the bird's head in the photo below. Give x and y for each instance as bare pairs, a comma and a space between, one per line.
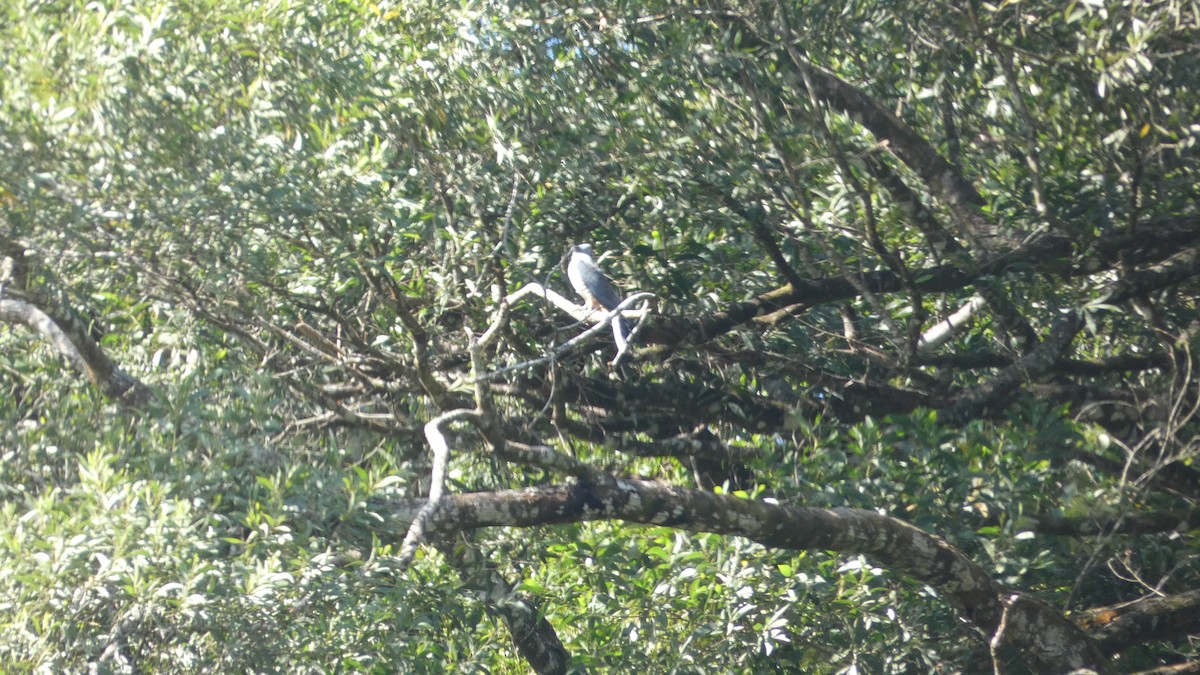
582, 249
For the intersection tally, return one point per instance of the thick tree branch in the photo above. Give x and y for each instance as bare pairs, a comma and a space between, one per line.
1187, 668
531, 633
1153, 522
1180, 268
440, 448
70, 338
1114, 364
1052, 643
1121, 626
1044, 254
943, 179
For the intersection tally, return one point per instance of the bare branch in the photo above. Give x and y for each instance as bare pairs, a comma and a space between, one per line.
565, 348
944, 330
437, 480
578, 312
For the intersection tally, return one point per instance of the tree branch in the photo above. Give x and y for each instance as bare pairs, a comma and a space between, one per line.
974, 402
1118, 627
1052, 643
522, 614
941, 332
70, 338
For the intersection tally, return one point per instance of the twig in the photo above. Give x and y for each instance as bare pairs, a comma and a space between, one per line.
998, 637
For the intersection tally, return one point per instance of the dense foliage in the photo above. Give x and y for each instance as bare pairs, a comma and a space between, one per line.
935, 261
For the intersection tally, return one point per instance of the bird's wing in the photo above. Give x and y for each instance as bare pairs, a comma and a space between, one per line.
591, 283
598, 291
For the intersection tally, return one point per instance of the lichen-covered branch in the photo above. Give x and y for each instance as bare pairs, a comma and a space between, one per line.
1155, 618
1041, 633
71, 340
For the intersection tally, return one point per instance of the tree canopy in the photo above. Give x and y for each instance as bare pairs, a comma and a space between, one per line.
293, 379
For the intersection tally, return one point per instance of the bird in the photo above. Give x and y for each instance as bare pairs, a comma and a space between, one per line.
597, 290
